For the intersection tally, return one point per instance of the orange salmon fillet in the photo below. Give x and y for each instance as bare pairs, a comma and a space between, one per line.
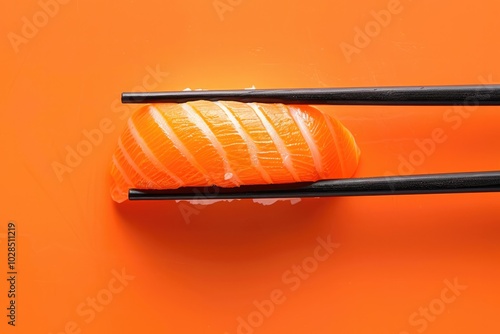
228, 144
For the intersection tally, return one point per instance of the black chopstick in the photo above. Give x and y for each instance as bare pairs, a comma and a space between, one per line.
468, 182
410, 95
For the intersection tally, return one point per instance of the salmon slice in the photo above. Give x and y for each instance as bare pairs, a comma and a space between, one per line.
228, 144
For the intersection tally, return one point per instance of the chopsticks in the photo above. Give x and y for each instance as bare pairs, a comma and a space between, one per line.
485, 95
466, 182
469, 182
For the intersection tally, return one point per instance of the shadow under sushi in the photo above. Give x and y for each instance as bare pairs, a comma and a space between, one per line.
226, 229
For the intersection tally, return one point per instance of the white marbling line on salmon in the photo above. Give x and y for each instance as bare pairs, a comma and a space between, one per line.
335, 140
134, 166
122, 172
150, 155
252, 148
307, 135
203, 126
119, 190
278, 142
167, 130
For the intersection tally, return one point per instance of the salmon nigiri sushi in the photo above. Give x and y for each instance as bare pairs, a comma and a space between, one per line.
228, 144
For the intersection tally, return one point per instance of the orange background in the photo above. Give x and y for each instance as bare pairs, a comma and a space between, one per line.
200, 269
